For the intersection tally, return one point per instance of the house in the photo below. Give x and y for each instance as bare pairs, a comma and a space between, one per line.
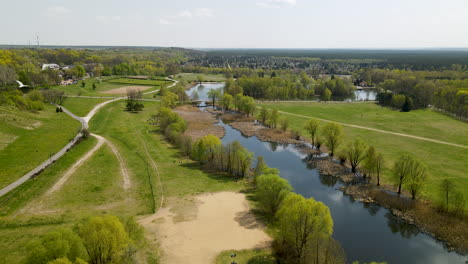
51, 66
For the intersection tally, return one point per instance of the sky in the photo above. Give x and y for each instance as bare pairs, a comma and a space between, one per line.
238, 23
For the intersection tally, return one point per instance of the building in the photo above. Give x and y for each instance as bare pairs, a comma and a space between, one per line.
51, 66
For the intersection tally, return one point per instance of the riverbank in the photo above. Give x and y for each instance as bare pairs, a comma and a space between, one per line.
200, 123
449, 229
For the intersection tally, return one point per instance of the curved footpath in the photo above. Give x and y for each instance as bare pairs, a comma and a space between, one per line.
84, 125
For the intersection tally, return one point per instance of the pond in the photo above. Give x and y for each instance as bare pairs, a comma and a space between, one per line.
367, 232
199, 92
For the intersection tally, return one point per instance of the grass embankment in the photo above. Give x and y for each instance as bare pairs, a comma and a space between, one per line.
107, 85
255, 256
28, 139
82, 106
96, 187
444, 161
193, 77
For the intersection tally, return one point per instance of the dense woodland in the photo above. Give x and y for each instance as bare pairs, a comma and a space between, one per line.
409, 79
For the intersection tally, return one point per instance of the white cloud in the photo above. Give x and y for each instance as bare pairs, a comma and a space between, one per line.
55, 11
275, 3
187, 14
204, 12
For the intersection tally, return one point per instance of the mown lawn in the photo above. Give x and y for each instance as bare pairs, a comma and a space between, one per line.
106, 85
444, 161
28, 139
82, 106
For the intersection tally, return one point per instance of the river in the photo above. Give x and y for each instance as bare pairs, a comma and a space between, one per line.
367, 232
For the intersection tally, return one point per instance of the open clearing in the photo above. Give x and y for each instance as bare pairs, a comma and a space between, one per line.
444, 161
210, 223
123, 90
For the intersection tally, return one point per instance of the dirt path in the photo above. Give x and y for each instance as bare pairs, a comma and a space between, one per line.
155, 168
123, 166
75, 166
198, 231
381, 131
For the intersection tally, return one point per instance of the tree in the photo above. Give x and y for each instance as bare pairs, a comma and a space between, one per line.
401, 170
301, 221
133, 100
333, 135
247, 105
326, 95
370, 161
271, 190
312, 127
169, 100
227, 101
379, 166
274, 116
261, 168
204, 149
104, 238
61, 243
284, 123
7, 76
200, 78
263, 115
408, 105
417, 177
447, 188
355, 152
94, 86
214, 94
79, 71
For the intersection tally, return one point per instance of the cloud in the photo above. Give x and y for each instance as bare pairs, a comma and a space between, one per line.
275, 3
55, 11
187, 15
204, 12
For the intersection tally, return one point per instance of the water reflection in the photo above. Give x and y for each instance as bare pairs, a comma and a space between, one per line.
367, 232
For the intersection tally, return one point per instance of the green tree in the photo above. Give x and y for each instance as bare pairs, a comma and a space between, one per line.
169, 100
408, 105
104, 238
284, 123
274, 116
200, 78
355, 152
205, 149
379, 166
271, 190
370, 161
326, 95
227, 101
61, 243
401, 170
214, 94
300, 222
312, 127
79, 71
263, 114
417, 177
333, 135
446, 190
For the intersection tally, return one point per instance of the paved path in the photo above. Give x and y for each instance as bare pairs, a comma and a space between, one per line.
84, 125
381, 131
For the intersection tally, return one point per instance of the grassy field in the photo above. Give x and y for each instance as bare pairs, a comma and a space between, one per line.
28, 139
106, 85
82, 106
255, 256
96, 187
189, 77
444, 161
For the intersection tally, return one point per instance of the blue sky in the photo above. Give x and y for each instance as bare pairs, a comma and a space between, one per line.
238, 23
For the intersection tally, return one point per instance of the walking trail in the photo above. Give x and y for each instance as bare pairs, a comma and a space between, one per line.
381, 131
